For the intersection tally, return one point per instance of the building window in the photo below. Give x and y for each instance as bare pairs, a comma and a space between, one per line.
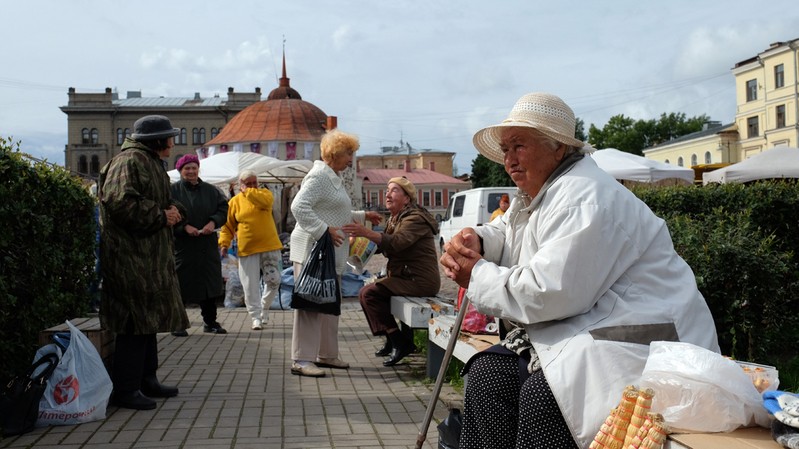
708, 158
120, 136
751, 126
679, 161
437, 197
667, 161
84, 135
95, 136
214, 132
202, 135
781, 116
779, 76
83, 167
751, 90
127, 132
195, 136
432, 165
180, 139
426, 198
694, 160
95, 167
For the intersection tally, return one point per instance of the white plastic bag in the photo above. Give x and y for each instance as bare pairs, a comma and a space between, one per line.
79, 389
697, 390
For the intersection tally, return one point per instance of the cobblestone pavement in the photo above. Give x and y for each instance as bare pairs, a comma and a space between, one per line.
236, 391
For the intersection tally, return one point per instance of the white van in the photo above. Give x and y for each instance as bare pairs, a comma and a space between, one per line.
471, 208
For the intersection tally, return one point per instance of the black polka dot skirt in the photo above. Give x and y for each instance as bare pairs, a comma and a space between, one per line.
502, 411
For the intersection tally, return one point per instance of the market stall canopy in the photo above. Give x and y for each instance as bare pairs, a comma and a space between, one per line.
626, 166
223, 168
782, 162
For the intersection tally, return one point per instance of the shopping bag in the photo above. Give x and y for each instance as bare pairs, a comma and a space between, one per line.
699, 390
19, 399
475, 322
318, 282
79, 389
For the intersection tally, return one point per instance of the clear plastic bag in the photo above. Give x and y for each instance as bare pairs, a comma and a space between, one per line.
697, 390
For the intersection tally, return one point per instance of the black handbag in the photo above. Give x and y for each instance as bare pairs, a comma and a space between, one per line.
317, 287
19, 399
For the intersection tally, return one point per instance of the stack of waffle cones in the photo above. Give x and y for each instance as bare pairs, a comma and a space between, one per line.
631, 425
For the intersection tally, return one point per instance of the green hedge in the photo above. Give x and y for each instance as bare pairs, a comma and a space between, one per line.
742, 243
47, 247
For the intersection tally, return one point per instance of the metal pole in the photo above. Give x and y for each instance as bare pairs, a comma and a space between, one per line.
453, 338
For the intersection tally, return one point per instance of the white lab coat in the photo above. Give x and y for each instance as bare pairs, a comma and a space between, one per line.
592, 274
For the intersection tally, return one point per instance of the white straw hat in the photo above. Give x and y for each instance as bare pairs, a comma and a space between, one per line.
545, 112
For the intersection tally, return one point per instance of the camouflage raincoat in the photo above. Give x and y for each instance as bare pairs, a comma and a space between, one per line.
141, 294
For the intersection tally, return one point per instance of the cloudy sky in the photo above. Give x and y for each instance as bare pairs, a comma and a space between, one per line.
427, 72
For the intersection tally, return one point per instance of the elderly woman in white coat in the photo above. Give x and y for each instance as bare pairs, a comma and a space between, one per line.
588, 274
322, 205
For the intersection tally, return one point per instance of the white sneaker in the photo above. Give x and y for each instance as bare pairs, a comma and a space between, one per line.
257, 324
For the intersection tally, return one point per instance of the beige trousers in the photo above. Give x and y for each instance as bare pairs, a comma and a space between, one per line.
315, 335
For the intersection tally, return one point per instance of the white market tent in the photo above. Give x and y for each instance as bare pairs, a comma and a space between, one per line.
629, 167
781, 162
223, 168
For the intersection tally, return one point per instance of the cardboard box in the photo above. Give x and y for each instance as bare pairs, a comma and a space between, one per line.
744, 438
102, 339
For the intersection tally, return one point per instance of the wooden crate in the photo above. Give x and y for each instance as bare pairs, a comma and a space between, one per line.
102, 339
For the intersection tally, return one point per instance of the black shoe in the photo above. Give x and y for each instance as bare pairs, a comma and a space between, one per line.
152, 388
133, 400
385, 350
215, 328
182, 333
401, 348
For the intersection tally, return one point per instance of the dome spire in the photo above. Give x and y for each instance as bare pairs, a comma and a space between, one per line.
284, 80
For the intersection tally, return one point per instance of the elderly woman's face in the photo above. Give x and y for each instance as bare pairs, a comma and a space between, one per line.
396, 198
528, 161
341, 160
190, 173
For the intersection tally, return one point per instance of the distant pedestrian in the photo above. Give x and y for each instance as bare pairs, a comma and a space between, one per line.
250, 221
196, 256
140, 295
504, 203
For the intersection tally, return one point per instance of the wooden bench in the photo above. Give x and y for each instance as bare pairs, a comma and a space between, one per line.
415, 311
102, 339
439, 331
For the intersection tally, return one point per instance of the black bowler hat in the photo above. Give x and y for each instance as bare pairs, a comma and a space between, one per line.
153, 127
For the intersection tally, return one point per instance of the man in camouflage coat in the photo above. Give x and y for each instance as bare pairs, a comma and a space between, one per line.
141, 295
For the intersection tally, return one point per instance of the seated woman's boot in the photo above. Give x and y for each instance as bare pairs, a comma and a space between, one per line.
385, 350
401, 347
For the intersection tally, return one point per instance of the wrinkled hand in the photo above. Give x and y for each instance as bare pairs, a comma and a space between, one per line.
338, 238
172, 216
208, 228
191, 230
460, 255
374, 217
355, 229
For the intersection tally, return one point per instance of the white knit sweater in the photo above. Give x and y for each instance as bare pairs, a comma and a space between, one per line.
321, 202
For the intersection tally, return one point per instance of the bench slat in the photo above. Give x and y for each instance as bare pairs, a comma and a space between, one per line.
415, 312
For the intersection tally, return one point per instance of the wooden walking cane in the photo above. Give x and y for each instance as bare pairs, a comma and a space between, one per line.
453, 338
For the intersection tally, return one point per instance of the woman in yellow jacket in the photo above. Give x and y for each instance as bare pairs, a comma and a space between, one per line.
250, 220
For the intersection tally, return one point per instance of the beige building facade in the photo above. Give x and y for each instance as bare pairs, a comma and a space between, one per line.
767, 114
394, 158
97, 123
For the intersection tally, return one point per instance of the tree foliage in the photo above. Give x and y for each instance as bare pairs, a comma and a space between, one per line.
632, 136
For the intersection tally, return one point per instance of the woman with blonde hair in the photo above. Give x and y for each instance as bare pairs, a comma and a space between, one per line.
322, 205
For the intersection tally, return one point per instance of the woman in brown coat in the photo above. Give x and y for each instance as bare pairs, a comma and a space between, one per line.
409, 244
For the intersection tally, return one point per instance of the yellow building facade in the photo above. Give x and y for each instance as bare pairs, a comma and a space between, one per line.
767, 114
